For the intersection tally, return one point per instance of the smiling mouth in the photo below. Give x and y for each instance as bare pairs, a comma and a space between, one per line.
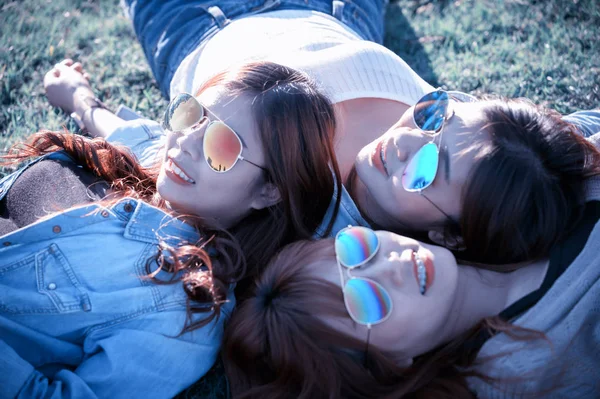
177, 171
424, 272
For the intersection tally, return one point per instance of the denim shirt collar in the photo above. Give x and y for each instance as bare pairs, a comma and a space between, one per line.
348, 214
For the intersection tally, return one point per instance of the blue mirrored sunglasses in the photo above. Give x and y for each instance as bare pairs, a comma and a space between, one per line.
430, 114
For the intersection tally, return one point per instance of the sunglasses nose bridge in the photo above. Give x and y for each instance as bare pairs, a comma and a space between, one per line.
386, 267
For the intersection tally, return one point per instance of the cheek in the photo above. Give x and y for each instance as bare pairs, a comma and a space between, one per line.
171, 140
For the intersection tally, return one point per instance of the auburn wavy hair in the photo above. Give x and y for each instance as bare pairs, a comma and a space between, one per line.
205, 278
277, 344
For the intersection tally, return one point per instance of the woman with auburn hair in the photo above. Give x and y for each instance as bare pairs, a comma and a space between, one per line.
116, 279
377, 315
278, 126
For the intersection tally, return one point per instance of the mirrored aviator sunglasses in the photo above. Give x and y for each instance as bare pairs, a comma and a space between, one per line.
367, 302
221, 145
430, 115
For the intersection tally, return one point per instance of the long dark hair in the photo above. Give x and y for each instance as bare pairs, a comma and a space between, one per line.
526, 190
277, 344
205, 278
297, 126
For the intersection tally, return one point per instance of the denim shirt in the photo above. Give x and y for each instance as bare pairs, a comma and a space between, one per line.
79, 320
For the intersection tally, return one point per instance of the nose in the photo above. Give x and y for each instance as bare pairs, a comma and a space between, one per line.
190, 140
406, 141
386, 267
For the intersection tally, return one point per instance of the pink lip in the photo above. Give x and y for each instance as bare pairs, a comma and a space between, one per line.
376, 158
174, 176
429, 267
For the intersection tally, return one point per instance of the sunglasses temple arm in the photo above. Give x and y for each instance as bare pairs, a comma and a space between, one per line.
367, 346
252, 163
438, 208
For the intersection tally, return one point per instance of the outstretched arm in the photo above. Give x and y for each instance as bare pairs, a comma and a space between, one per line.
67, 87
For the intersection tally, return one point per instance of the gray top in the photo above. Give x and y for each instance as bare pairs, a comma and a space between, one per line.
569, 315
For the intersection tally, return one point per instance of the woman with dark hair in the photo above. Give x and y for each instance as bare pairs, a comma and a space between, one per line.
377, 315
497, 180
116, 279
376, 96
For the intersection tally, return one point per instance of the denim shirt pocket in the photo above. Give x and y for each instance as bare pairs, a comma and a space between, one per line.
42, 282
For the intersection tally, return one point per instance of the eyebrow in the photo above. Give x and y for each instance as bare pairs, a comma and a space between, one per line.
445, 162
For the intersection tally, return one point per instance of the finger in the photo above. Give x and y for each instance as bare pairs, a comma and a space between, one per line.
78, 67
67, 62
86, 76
50, 76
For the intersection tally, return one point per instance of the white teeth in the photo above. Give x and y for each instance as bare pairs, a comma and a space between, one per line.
421, 274
175, 169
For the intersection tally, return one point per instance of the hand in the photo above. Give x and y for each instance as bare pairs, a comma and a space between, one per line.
67, 84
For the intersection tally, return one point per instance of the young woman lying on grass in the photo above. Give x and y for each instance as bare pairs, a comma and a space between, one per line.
252, 149
375, 93
115, 279
378, 315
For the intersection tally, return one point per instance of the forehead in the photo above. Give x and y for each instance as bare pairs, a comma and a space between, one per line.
326, 269
463, 135
465, 125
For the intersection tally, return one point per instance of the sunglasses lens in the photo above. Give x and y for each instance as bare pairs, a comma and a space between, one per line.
421, 169
367, 301
222, 147
355, 245
430, 111
182, 112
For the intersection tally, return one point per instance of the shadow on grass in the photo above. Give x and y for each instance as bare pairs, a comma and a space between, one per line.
402, 40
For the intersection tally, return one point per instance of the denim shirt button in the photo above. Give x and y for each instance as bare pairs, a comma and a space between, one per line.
6, 243
128, 207
51, 286
56, 229
86, 307
104, 214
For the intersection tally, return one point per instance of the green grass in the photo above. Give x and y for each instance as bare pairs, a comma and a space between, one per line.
545, 50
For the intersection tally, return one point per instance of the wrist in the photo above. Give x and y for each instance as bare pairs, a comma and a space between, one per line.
84, 104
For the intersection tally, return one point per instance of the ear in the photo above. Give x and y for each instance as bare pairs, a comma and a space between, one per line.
268, 195
453, 243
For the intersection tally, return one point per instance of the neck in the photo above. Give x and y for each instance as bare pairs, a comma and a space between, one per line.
483, 293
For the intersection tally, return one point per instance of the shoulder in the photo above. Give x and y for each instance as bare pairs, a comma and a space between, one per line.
569, 316
144, 137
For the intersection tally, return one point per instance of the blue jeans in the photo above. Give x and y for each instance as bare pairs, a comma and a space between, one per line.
169, 30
